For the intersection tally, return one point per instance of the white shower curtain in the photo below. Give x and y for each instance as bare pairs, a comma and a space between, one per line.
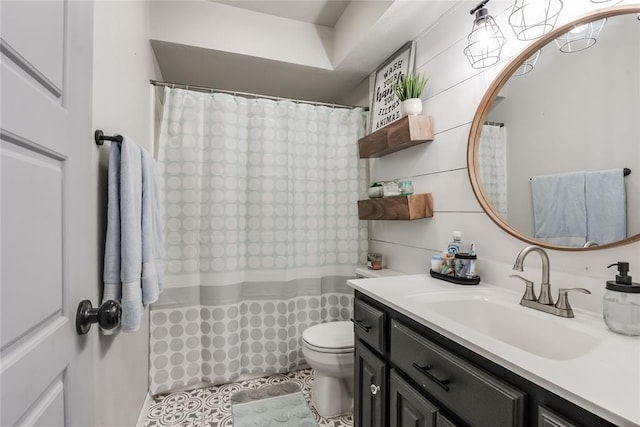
262, 232
492, 159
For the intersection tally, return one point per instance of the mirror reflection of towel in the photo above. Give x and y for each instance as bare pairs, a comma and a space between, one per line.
570, 209
559, 208
605, 200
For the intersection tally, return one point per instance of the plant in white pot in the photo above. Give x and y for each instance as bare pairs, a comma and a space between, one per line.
408, 90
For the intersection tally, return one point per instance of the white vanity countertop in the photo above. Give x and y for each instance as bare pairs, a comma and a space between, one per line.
605, 380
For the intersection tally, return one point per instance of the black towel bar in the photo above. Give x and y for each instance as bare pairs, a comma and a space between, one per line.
99, 137
625, 172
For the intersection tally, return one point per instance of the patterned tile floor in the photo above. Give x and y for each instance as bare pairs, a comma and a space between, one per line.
210, 407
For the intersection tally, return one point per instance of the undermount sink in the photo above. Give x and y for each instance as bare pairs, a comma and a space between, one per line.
504, 320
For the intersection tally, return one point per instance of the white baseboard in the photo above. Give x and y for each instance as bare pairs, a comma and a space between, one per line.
148, 401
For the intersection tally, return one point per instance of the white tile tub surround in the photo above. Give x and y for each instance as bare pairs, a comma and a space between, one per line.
439, 167
605, 380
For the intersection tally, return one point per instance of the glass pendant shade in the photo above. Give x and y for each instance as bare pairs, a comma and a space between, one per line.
581, 37
528, 65
485, 41
531, 19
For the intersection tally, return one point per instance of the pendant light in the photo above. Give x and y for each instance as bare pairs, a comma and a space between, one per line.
581, 37
528, 65
486, 40
531, 19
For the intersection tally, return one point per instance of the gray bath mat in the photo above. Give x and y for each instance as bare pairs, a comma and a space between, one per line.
276, 405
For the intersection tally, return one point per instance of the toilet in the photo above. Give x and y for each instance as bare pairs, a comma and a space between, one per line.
328, 349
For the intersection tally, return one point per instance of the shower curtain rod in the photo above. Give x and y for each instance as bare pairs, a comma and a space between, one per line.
250, 95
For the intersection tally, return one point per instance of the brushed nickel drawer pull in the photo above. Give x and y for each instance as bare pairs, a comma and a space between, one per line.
424, 370
359, 324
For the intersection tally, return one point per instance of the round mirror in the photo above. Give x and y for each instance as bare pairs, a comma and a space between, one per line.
554, 147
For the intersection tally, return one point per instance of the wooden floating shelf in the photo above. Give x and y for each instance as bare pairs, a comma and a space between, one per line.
401, 134
415, 206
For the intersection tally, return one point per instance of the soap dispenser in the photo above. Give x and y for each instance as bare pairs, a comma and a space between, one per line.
621, 303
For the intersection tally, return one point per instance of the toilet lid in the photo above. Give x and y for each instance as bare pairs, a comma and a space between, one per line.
330, 335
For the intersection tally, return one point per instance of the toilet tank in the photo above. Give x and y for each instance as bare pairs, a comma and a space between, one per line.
364, 272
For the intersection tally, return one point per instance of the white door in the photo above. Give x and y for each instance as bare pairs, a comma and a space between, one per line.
48, 216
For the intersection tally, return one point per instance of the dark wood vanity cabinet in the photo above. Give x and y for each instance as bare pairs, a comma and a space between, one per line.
408, 375
370, 381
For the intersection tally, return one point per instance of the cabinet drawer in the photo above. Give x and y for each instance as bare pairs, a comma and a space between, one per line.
369, 324
477, 397
548, 418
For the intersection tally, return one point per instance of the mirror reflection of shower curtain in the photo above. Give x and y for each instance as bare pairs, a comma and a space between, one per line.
492, 159
262, 232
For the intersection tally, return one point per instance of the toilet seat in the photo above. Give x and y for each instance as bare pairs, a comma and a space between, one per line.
330, 337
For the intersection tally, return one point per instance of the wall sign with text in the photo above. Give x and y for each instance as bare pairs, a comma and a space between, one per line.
385, 106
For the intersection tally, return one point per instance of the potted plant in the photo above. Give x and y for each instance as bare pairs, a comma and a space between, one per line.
408, 90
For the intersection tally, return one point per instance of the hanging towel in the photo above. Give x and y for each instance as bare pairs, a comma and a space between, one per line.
133, 245
111, 273
559, 208
152, 244
606, 206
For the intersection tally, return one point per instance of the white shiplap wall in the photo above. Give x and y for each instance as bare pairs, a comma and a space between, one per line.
440, 167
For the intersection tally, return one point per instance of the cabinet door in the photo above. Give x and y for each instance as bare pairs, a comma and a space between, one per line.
443, 421
407, 407
370, 388
548, 418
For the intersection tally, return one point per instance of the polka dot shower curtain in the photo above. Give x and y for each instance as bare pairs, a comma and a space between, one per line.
261, 233
492, 156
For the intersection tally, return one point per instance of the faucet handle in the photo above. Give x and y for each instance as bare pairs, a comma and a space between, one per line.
563, 300
529, 294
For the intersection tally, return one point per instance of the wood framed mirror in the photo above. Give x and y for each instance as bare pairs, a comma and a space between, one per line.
574, 112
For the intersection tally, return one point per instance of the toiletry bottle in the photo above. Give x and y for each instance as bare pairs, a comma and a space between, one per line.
456, 244
621, 303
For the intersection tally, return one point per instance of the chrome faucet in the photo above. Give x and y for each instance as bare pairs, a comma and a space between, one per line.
545, 302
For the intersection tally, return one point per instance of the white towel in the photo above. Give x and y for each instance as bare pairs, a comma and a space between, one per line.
133, 243
606, 206
152, 246
559, 208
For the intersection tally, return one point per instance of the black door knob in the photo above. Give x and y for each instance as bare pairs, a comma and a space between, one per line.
107, 315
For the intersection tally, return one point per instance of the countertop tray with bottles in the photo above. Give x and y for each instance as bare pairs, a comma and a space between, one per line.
457, 280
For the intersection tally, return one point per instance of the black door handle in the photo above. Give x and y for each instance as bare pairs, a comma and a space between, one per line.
107, 315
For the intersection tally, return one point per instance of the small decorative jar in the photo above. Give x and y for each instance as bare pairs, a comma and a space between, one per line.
391, 188
374, 261
405, 187
375, 191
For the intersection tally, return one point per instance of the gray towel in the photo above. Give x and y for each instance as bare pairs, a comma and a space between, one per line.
559, 208
606, 206
111, 273
131, 234
133, 245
